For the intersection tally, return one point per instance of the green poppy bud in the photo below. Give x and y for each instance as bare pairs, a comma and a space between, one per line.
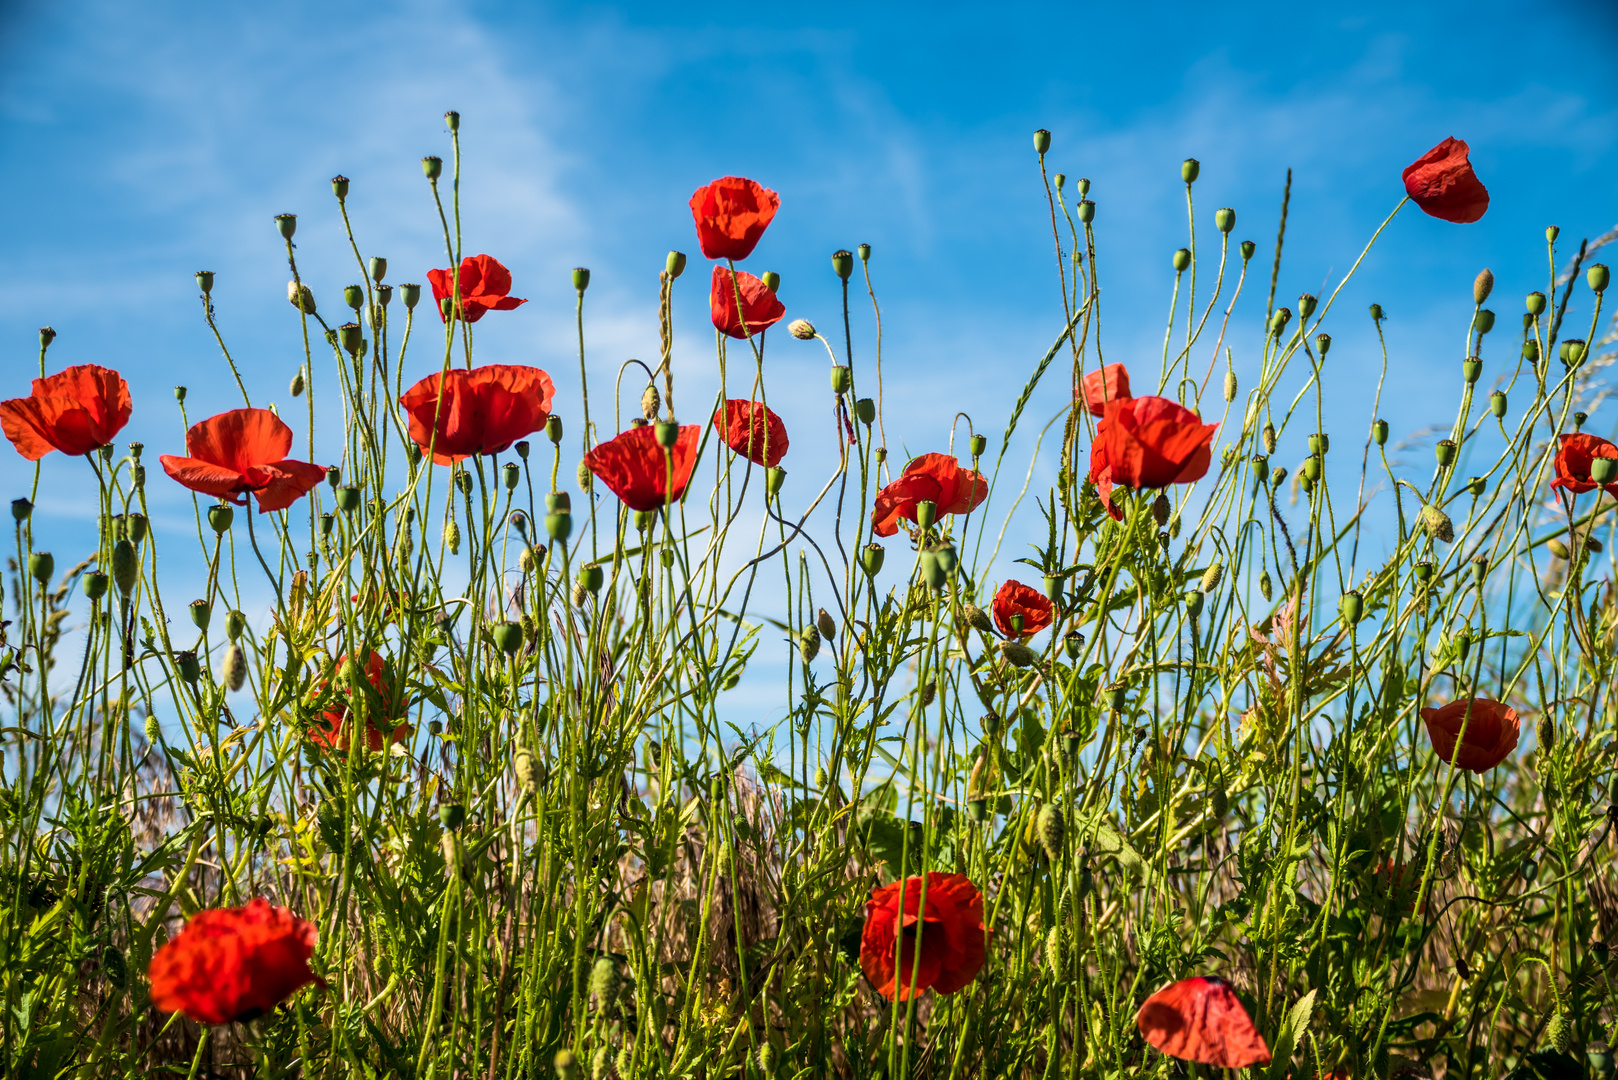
298, 384
299, 296
1557, 548
771, 280
605, 982
1212, 576
1017, 654
1352, 607
1247, 249
1182, 260
95, 585
842, 263
452, 536
841, 379
802, 329
432, 167
1437, 524
1598, 276
1042, 142
507, 637
871, 559
1225, 219
1265, 586
41, 564
1379, 432
1230, 386
1193, 603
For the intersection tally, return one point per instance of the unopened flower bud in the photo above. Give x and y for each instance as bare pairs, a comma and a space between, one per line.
1265, 586
675, 264
125, 566
1182, 260
650, 402
1230, 385
1212, 576
452, 536
233, 669
1379, 432
826, 625
976, 618
1352, 606
1052, 829
1437, 524
297, 384
301, 297
809, 643
771, 280
1017, 654
605, 982
801, 329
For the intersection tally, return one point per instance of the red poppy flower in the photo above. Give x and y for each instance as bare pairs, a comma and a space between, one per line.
938, 477
1148, 442
485, 287
1200, 1020
1574, 457
1443, 184
240, 451
952, 941
234, 963
386, 705
1491, 732
752, 431
1111, 383
634, 467
731, 214
760, 308
1015, 598
74, 411
484, 410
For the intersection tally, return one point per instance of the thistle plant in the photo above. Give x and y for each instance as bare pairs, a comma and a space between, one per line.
1273, 751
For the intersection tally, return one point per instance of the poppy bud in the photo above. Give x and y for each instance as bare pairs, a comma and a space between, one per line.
842, 263
507, 637
801, 329
1212, 576
650, 402
947, 558
1225, 219
1376, 313
1261, 468
233, 669
452, 536
154, 730
976, 618
125, 566
667, 433
1017, 654
348, 498
527, 769
1072, 644
1230, 386
1483, 321
1278, 477
1160, 510
1042, 142
1182, 260
1557, 548
826, 625
1323, 344
95, 585
605, 982
1193, 603
1437, 524
1279, 320
809, 643
926, 513
1087, 209
1379, 432
235, 624
20, 509
301, 297
410, 294
1445, 452
1352, 607
871, 559
1265, 589
286, 225
1052, 829
297, 384
512, 474
1306, 305
931, 572
771, 280
591, 577
1247, 249
432, 167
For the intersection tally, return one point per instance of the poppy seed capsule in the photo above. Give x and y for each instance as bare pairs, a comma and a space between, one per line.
1323, 344
1603, 470
1182, 260
1477, 486
1376, 313
559, 525
841, 379
932, 573
864, 252
591, 577
1225, 219
286, 225
1261, 468
1279, 320
1193, 603
802, 329
354, 296
926, 513
512, 474
1306, 305
348, 498
410, 294
507, 637
41, 564
1016, 622
1578, 420
1483, 321
1042, 142
865, 411
871, 559
1087, 208
233, 669
667, 433
1600, 1055
1445, 452
95, 585
775, 478
1352, 607
1278, 477
1190, 169
842, 263
301, 297
1497, 404
1379, 432
1573, 352
1598, 276
532, 557
1319, 443
432, 167
1247, 249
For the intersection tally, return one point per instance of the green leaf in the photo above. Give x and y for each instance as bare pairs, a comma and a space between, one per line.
1294, 1025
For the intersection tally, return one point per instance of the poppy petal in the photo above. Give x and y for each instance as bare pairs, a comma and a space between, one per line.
204, 476
1201, 1020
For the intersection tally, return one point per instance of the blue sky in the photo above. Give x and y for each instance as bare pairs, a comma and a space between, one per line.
144, 142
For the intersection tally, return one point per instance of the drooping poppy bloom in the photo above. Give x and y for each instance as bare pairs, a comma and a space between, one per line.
1111, 383
1574, 456
634, 466
241, 451
232, 964
1200, 1019
731, 214
384, 706
485, 287
484, 410
1443, 184
760, 308
935, 477
74, 411
948, 932
1148, 442
1491, 732
1015, 598
752, 430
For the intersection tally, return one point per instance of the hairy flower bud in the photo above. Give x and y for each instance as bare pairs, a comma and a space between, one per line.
605, 982
650, 402
1212, 576
1437, 524
233, 668
301, 297
125, 566
1052, 829
298, 384
1230, 386
1017, 654
809, 643
801, 329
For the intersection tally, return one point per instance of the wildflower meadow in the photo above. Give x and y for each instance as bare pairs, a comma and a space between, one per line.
1271, 753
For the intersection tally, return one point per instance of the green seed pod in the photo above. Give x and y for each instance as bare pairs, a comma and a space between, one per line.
1212, 576
1072, 644
1545, 731
1311, 468
1598, 276
1483, 321
190, 669
1306, 305
1247, 249
1604, 470
20, 510
1320, 443
1573, 351
1352, 607
1471, 368
1578, 420
931, 572
809, 643
591, 577
1482, 285
1535, 303
1267, 438
532, 558
235, 625
976, 618
432, 167
1182, 260
926, 513
1261, 468
1265, 587
507, 637
301, 297
559, 525
650, 402
411, 295
667, 433
1189, 170
125, 566
298, 384
452, 536
233, 668
1323, 344
1529, 870
1600, 1054
774, 479
220, 516
1225, 219
871, 559
1437, 524
286, 225
601, 1063
1379, 432
625, 1061
1017, 654
1497, 404
1053, 589
841, 380
204, 282
766, 1059
452, 816
201, 614
771, 280
512, 474
1052, 829
1056, 953
948, 560
1477, 486
802, 329
526, 766
842, 263
1086, 209
1193, 603
1042, 142
1377, 314
605, 982
1161, 510
95, 585
1117, 696
348, 498
1278, 476
1445, 452
1279, 320
41, 564
581, 279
